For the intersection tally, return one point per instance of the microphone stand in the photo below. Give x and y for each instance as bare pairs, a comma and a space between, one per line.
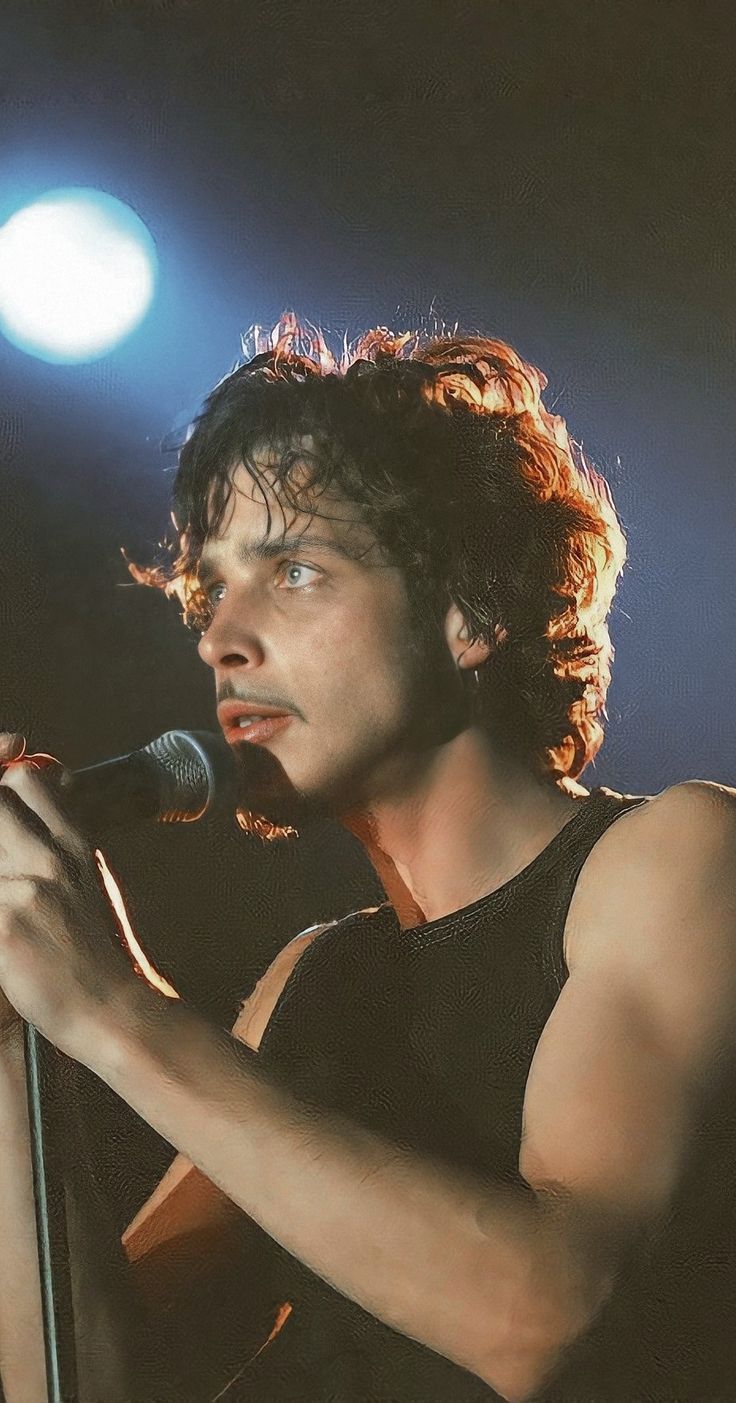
51, 1233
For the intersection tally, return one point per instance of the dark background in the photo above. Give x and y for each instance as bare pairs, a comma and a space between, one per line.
560, 175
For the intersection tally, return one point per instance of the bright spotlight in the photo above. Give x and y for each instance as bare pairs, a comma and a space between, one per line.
77, 274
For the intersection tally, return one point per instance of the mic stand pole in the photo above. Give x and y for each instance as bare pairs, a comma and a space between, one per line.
53, 1247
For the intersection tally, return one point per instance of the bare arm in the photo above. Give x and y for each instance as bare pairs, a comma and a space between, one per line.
185, 1198
189, 1235
644, 1023
191, 1243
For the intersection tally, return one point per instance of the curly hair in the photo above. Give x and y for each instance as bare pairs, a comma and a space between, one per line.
465, 480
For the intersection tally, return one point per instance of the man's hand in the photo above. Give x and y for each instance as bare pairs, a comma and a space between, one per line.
61, 961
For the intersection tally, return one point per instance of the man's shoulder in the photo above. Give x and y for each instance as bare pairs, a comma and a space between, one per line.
697, 815
688, 836
674, 842
701, 795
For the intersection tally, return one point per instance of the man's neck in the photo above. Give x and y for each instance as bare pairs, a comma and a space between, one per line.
457, 826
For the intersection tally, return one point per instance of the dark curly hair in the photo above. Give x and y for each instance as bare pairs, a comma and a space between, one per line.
466, 481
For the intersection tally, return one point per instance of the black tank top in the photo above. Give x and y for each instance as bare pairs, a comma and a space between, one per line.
426, 1037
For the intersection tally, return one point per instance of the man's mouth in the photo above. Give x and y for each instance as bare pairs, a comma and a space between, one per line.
243, 721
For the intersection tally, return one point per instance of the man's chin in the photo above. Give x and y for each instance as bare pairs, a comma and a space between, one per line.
263, 788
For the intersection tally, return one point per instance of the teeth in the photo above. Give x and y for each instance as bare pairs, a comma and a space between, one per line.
248, 720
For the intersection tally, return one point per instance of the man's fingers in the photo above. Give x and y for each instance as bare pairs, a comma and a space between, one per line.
26, 846
12, 745
37, 794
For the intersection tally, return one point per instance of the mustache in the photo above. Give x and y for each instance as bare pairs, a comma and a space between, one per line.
229, 692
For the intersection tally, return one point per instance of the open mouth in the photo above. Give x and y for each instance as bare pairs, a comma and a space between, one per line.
255, 729
243, 720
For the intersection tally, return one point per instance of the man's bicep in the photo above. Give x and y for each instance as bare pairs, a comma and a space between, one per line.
607, 1109
649, 1009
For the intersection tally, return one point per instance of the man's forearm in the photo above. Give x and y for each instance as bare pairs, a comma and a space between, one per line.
22, 1365
477, 1276
111, 1343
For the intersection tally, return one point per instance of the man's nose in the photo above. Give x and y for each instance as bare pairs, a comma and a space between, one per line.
232, 639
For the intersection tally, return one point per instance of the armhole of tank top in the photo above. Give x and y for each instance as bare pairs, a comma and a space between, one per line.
321, 929
559, 958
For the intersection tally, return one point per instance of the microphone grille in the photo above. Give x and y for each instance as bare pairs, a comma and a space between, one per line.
193, 768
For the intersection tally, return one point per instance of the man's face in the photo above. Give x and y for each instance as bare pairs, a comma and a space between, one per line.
309, 619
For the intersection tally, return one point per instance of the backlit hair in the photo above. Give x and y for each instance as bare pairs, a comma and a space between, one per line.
470, 486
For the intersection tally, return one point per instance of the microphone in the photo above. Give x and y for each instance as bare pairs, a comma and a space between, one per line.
176, 778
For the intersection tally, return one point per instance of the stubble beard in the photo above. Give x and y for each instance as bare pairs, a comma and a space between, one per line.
433, 708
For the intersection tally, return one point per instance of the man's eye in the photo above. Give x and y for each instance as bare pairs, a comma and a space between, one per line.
214, 593
295, 575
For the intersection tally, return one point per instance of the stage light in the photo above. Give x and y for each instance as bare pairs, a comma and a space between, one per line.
77, 275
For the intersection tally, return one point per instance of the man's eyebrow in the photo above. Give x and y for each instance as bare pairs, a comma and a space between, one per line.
284, 545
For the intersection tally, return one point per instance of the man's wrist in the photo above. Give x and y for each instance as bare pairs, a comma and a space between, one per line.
126, 1024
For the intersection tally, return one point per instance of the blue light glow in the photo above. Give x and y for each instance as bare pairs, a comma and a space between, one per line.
77, 275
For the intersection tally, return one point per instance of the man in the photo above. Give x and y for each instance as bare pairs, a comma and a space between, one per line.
471, 1123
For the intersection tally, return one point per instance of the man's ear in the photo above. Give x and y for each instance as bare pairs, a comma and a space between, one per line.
466, 654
